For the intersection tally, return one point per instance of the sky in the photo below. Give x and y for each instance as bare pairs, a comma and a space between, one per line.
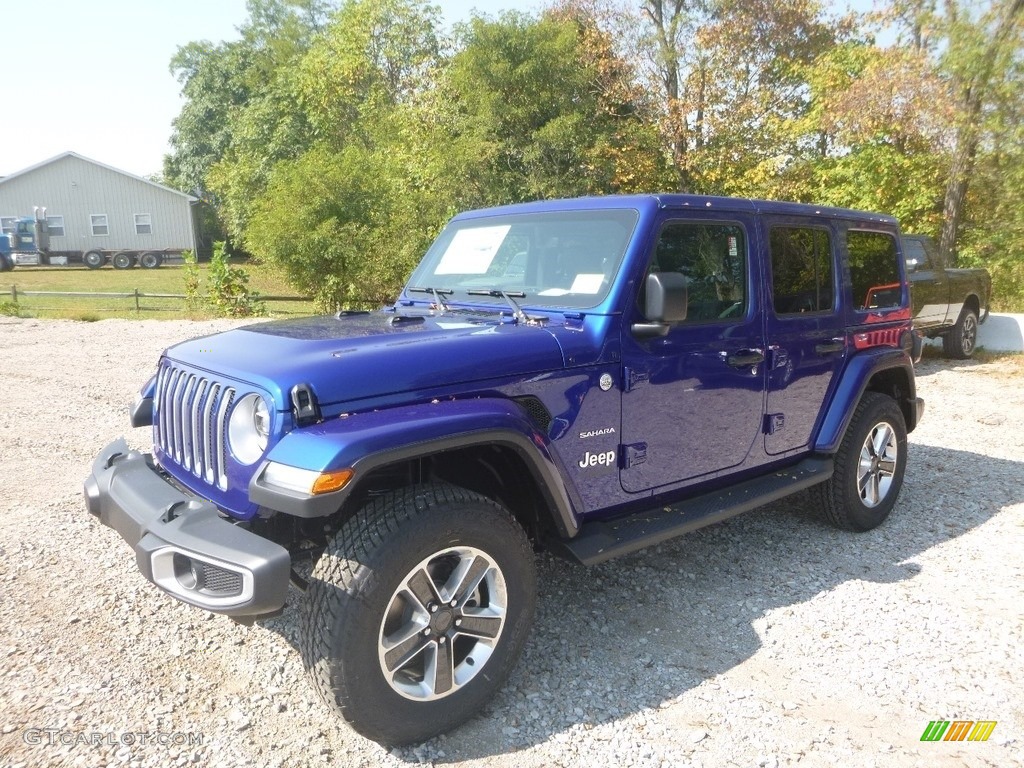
92, 77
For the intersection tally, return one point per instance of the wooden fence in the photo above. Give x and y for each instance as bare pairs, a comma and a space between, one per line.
135, 294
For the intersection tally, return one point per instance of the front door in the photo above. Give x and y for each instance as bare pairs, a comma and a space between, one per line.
693, 399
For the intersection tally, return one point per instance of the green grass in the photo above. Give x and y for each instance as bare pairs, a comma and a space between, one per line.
166, 279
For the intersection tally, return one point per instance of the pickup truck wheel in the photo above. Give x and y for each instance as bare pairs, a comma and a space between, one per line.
869, 466
94, 259
417, 611
960, 341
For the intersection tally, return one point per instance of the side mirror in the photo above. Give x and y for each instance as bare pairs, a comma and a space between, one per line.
666, 298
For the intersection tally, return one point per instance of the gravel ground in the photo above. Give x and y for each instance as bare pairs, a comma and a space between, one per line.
768, 640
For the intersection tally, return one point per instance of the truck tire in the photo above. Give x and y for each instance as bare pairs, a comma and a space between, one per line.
6, 262
150, 260
417, 611
869, 466
94, 259
123, 260
961, 339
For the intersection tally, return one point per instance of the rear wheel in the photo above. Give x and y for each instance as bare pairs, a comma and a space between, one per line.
123, 260
960, 341
869, 466
417, 611
94, 259
150, 260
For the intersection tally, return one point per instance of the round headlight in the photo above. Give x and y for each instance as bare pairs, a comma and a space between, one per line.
249, 428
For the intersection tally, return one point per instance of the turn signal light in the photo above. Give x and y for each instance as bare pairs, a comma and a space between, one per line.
331, 481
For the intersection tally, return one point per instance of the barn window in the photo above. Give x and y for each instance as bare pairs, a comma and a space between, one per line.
143, 224
55, 224
99, 224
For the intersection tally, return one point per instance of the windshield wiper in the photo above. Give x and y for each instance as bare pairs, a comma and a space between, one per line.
517, 311
436, 292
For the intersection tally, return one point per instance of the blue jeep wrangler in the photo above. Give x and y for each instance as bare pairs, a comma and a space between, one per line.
587, 376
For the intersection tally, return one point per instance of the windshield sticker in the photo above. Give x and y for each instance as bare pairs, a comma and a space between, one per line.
733, 250
553, 292
587, 283
471, 251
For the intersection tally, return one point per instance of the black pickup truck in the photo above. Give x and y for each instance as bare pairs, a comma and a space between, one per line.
947, 302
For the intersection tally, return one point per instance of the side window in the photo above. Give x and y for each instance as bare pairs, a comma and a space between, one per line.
915, 255
933, 254
7, 223
713, 258
874, 270
98, 221
801, 270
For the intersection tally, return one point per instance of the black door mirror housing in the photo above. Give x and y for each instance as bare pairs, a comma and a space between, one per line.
665, 299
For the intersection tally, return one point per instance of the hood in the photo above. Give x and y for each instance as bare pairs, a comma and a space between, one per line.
360, 356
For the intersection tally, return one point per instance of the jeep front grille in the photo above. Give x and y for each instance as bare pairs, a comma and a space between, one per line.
192, 415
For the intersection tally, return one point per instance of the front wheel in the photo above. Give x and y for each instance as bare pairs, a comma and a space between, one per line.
417, 611
869, 466
961, 339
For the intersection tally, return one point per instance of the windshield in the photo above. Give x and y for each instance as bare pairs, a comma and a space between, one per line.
549, 259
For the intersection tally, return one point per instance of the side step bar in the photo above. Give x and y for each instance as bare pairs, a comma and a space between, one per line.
602, 540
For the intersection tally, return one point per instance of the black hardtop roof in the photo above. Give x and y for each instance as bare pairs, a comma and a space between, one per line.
676, 200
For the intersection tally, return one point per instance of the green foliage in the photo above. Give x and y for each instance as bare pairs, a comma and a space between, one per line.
10, 309
536, 108
190, 274
230, 295
358, 232
335, 145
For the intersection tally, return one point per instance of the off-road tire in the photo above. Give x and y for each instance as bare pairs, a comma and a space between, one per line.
840, 496
960, 341
354, 582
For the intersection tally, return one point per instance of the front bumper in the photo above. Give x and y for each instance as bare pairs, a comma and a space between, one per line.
182, 543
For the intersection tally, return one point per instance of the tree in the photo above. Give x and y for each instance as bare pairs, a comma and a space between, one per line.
536, 108
978, 56
348, 217
219, 82
731, 76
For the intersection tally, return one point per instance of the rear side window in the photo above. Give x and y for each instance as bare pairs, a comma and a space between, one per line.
801, 270
874, 270
915, 255
713, 258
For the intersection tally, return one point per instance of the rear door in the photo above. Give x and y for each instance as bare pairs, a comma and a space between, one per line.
806, 345
693, 399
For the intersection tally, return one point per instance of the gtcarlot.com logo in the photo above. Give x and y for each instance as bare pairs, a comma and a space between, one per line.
959, 730
55, 736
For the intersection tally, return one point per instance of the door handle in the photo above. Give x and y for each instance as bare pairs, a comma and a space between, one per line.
829, 347
745, 358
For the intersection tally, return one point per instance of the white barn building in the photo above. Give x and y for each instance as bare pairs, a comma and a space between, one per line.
92, 206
